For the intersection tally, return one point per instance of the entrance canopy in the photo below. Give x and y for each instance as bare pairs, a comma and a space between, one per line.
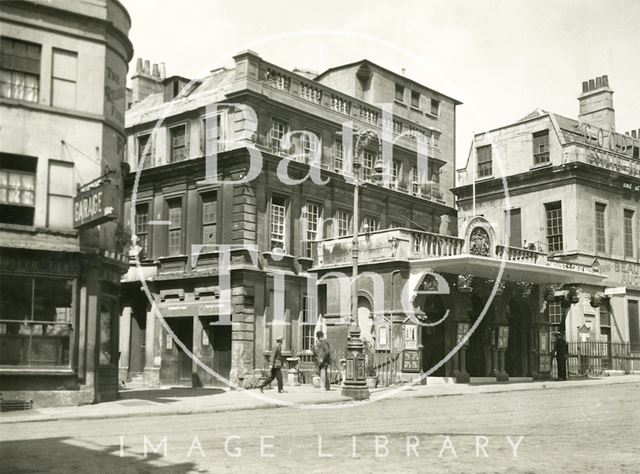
514, 270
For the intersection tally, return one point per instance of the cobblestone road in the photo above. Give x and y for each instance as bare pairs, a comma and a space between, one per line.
571, 430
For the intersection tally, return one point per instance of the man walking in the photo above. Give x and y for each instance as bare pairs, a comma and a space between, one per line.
323, 359
276, 367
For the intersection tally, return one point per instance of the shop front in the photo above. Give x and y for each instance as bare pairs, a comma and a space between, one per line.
459, 309
58, 327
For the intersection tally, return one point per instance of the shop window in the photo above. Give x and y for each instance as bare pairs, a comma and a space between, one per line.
629, 244
175, 227
17, 189
555, 241
605, 315
178, 137
36, 321
485, 162
63, 78
209, 218
600, 227
19, 69
108, 330
61, 191
278, 223
541, 147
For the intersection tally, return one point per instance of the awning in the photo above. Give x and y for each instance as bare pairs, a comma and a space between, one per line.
488, 267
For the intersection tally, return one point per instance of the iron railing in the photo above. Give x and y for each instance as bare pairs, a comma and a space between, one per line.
592, 358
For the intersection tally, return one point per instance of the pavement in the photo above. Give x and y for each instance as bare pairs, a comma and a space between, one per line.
183, 401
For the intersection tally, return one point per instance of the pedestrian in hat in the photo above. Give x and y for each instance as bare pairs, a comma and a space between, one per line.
276, 367
323, 359
561, 352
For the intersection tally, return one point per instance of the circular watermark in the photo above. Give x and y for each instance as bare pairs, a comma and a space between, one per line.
376, 396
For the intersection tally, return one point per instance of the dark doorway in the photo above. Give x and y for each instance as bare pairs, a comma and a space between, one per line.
176, 365
433, 337
137, 341
479, 349
219, 350
516, 355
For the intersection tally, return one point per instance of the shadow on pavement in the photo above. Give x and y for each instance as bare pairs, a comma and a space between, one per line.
67, 454
168, 395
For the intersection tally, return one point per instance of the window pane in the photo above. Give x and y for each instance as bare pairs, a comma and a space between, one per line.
63, 94
60, 179
65, 65
106, 332
60, 211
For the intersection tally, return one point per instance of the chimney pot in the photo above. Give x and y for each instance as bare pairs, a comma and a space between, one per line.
592, 84
633, 134
138, 65
154, 71
162, 71
585, 86
605, 80
598, 82
147, 66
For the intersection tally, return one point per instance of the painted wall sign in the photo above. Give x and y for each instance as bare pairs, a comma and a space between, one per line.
95, 206
606, 139
410, 361
620, 273
621, 290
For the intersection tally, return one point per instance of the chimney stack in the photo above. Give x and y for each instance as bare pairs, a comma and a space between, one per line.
146, 81
596, 104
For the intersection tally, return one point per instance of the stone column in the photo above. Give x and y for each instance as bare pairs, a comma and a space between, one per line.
125, 344
152, 350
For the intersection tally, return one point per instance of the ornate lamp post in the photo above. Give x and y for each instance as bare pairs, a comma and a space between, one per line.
355, 385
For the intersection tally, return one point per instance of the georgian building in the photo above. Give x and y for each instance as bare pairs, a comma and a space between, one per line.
569, 188
273, 227
62, 100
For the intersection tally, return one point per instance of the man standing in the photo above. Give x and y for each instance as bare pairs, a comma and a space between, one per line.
276, 367
323, 359
562, 350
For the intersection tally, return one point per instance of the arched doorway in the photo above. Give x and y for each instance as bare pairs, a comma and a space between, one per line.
519, 316
365, 319
433, 337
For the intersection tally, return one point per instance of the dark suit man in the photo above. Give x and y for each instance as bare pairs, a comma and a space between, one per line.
562, 351
323, 359
276, 367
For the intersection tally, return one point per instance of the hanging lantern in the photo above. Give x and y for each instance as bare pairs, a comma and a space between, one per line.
573, 295
597, 299
464, 283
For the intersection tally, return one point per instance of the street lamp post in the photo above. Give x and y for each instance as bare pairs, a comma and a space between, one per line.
355, 385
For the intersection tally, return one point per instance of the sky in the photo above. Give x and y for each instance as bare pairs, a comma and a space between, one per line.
502, 59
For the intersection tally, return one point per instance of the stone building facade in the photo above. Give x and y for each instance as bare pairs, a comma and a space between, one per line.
62, 104
178, 204
569, 188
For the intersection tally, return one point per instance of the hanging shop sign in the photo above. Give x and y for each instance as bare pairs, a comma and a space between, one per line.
95, 206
